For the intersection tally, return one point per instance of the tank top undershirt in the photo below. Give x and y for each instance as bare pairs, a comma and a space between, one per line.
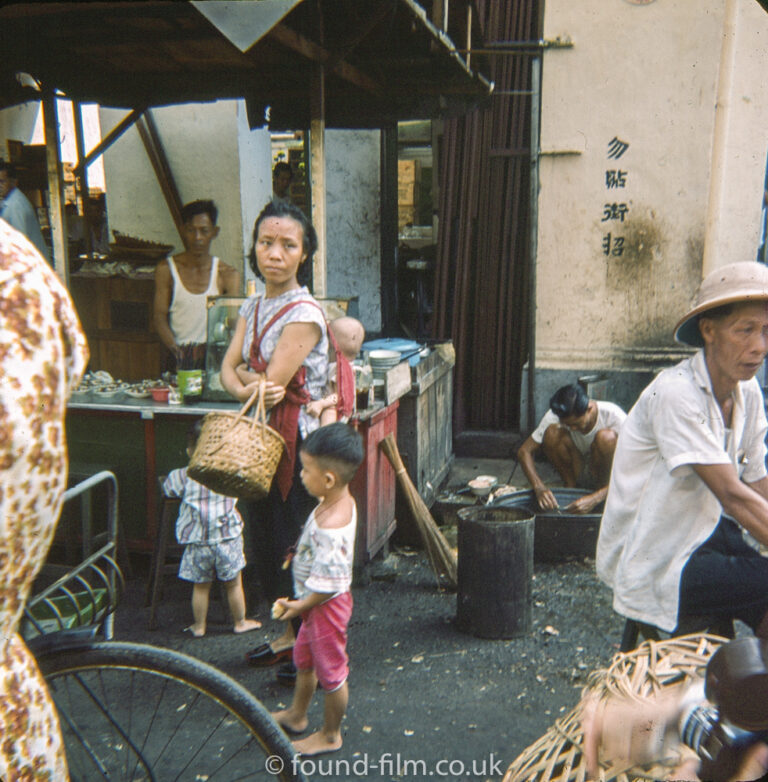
188, 315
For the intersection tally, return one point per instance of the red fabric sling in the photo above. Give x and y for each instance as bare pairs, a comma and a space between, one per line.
284, 416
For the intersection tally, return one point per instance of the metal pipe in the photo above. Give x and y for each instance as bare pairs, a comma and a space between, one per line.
533, 227
714, 224
57, 214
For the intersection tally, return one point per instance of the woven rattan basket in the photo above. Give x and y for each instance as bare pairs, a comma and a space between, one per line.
236, 455
654, 665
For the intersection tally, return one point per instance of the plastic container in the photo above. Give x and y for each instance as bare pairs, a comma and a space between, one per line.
160, 394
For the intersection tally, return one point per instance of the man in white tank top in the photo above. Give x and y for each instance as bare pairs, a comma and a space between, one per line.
184, 282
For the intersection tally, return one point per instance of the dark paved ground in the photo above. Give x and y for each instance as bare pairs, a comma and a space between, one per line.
422, 692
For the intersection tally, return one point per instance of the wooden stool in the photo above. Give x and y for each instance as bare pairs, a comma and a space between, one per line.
160, 566
165, 546
722, 626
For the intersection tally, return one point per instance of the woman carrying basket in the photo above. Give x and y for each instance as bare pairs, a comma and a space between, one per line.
281, 335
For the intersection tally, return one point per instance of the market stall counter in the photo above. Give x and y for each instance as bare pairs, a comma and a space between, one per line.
140, 439
137, 440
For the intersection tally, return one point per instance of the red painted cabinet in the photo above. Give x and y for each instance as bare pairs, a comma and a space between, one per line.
374, 485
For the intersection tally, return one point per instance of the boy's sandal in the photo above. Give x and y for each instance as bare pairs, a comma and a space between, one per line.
265, 655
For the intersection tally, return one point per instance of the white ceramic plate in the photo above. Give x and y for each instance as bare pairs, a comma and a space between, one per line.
137, 393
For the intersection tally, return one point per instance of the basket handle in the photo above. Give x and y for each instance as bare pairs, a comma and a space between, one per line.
261, 412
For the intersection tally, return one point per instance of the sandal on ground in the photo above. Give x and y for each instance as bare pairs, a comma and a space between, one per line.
265, 655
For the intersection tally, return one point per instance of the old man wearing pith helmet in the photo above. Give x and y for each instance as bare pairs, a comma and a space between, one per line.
687, 505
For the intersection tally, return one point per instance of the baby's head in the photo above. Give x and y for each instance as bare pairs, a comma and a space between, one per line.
349, 333
335, 452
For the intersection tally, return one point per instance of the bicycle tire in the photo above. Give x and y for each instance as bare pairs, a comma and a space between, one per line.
132, 711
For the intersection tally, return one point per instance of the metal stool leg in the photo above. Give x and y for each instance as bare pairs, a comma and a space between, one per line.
632, 630
158, 565
629, 637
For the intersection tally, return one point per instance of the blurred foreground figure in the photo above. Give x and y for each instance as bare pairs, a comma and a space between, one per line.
722, 717
43, 353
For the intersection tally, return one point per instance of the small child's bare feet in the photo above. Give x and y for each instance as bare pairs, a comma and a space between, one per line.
317, 743
286, 720
246, 625
198, 632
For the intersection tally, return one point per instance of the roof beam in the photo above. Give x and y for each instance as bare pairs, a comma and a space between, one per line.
108, 140
346, 48
312, 51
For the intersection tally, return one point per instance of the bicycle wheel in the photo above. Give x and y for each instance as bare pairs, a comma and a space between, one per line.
137, 712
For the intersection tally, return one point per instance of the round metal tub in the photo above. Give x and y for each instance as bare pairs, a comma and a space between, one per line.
558, 536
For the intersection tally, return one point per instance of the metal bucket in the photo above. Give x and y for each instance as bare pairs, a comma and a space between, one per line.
559, 536
495, 567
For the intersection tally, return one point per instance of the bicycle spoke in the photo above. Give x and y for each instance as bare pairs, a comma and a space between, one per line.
136, 713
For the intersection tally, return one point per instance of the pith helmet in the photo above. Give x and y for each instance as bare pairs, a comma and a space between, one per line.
736, 282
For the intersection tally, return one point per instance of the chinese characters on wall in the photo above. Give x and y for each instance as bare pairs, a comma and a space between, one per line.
614, 210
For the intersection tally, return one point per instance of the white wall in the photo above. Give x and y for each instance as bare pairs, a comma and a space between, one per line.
255, 180
741, 137
201, 144
646, 74
18, 123
353, 230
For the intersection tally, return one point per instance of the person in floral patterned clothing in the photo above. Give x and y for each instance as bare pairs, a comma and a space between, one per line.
44, 354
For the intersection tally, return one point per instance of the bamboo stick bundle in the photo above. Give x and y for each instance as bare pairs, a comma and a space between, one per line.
442, 559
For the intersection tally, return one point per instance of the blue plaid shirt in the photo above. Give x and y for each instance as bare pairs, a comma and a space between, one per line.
204, 516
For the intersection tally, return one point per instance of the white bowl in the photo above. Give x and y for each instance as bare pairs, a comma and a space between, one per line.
384, 358
482, 485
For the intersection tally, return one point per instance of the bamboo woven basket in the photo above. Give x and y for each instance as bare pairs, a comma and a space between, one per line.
557, 756
235, 455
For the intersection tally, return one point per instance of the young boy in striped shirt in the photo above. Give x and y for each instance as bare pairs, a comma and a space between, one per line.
211, 530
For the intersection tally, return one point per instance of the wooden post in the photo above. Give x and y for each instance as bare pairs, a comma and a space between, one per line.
157, 157
469, 33
77, 112
56, 212
317, 179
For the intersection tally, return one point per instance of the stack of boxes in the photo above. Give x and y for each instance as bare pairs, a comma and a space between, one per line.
408, 177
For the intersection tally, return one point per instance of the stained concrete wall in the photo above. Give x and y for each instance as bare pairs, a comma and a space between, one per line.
353, 186
653, 140
628, 132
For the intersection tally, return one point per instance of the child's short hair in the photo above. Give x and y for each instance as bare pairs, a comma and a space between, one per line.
193, 433
337, 446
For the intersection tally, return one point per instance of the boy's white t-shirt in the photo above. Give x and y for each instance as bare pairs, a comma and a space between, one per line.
324, 558
609, 416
